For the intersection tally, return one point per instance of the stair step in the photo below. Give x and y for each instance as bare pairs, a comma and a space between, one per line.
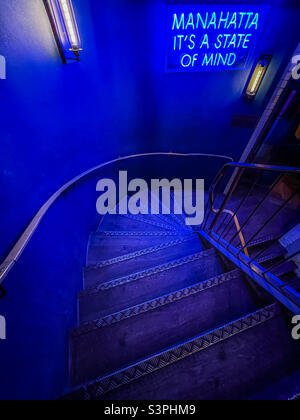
294, 282
291, 241
108, 344
232, 362
146, 285
134, 223
177, 219
143, 259
285, 268
259, 243
169, 220
166, 215
181, 218
108, 245
274, 229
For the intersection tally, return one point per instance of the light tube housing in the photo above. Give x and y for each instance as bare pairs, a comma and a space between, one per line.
64, 25
258, 76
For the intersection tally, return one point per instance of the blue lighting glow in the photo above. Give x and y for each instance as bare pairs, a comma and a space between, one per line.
202, 38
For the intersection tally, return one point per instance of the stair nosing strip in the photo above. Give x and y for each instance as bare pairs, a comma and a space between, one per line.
181, 218
147, 273
149, 222
260, 241
168, 220
139, 253
281, 271
270, 257
154, 303
98, 387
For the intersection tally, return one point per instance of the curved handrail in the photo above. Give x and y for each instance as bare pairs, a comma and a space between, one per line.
270, 168
271, 282
24, 239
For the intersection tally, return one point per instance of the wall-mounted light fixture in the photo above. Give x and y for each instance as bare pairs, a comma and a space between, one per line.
258, 76
64, 25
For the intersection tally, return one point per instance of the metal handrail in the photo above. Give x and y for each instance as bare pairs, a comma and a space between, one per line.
238, 227
24, 239
243, 167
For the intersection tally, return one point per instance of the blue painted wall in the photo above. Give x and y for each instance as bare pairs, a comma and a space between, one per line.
56, 121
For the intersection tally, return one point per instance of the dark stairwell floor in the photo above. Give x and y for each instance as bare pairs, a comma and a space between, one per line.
162, 316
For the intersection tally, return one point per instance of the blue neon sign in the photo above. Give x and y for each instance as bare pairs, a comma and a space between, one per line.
202, 38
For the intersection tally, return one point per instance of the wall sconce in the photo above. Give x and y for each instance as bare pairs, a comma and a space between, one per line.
63, 22
258, 76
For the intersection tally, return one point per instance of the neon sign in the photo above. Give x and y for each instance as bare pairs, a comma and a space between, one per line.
202, 38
